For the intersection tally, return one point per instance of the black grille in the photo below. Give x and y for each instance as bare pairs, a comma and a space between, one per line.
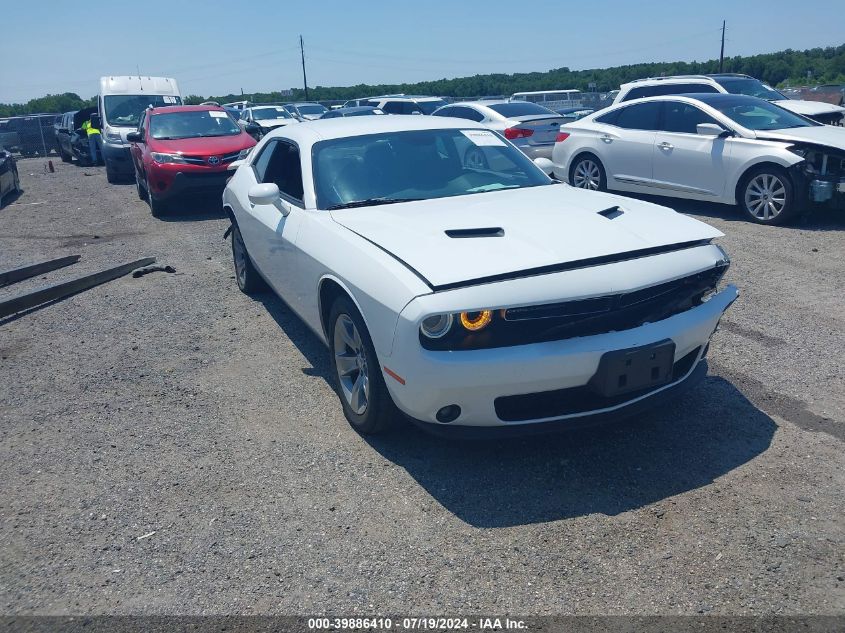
560, 402
584, 317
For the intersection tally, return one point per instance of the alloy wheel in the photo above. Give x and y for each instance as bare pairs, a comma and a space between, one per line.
765, 196
350, 359
587, 175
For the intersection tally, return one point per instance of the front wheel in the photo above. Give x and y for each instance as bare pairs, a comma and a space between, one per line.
359, 382
111, 176
157, 207
141, 189
766, 196
587, 172
16, 183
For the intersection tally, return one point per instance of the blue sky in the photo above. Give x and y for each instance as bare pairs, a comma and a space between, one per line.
221, 47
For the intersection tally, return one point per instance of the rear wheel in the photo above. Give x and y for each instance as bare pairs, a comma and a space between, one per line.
249, 281
16, 182
766, 196
66, 158
587, 172
359, 382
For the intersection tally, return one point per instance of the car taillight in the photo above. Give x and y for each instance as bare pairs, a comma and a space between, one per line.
561, 136
517, 132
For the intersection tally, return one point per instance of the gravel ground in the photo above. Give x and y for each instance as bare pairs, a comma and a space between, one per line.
169, 445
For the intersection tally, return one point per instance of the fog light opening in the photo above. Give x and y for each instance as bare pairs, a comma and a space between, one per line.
449, 413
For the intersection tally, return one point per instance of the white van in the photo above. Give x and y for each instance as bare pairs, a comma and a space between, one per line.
120, 104
551, 99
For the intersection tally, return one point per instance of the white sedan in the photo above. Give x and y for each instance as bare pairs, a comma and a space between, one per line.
468, 296
726, 148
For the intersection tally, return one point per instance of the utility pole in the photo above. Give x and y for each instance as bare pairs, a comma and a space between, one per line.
722, 53
304, 78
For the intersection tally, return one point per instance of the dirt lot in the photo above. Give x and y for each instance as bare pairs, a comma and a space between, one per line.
174, 408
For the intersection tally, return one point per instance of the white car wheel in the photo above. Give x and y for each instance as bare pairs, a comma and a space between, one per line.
351, 364
767, 196
587, 174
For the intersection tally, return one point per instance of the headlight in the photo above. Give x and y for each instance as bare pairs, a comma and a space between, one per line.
167, 158
244, 154
437, 325
114, 138
475, 321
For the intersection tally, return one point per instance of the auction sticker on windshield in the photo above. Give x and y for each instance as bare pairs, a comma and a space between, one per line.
482, 137
217, 114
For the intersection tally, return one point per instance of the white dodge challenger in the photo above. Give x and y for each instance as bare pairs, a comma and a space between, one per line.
453, 280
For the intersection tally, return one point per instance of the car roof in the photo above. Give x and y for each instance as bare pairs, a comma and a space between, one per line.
185, 108
311, 132
409, 98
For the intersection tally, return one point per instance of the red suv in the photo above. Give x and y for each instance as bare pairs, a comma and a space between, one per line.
183, 150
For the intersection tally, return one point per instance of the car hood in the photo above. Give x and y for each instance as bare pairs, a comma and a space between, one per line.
274, 122
542, 227
808, 108
829, 135
204, 146
312, 117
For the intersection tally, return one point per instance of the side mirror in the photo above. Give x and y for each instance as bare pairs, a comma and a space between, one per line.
134, 137
267, 193
95, 121
546, 165
711, 129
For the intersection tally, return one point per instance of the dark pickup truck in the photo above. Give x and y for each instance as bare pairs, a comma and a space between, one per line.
30, 135
71, 140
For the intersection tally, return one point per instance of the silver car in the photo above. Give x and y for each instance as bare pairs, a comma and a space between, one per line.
531, 127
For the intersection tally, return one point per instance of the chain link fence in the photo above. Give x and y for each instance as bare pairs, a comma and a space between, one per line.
29, 135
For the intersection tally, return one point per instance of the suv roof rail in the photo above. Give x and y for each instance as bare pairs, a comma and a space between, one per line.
670, 77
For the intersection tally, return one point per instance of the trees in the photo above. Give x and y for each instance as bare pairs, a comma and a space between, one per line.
789, 67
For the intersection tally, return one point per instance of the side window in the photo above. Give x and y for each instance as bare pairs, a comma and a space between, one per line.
609, 118
141, 121
392, 107
668, 89
285, 169
639, 93
683, 117
260, 164
447, 111
468, 113
409, 107
642, 116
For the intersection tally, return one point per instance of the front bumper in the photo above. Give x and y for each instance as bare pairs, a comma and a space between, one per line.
475, 380
166, 183
118, 159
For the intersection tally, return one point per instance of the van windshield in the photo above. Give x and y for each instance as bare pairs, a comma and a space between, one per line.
125, 110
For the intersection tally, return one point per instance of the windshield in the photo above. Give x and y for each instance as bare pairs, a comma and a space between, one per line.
199, 123
750, 87
125, 110
430, 106
756, 114
418, 165
309, 108
270, 113
519, 109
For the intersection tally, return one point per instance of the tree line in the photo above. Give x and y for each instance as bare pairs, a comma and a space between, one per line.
785, 68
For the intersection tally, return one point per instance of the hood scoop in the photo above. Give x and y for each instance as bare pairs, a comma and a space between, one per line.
611, 213
493, 231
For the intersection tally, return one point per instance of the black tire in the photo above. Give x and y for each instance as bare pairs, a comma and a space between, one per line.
766, 196
16, 182
587, 172
66, 158
157, 207
111, 177
379, 412
143, 194
249, 281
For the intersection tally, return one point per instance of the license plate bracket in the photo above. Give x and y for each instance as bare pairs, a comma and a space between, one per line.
627, 370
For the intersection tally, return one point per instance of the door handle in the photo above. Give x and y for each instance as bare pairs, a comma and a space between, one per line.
665, 145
